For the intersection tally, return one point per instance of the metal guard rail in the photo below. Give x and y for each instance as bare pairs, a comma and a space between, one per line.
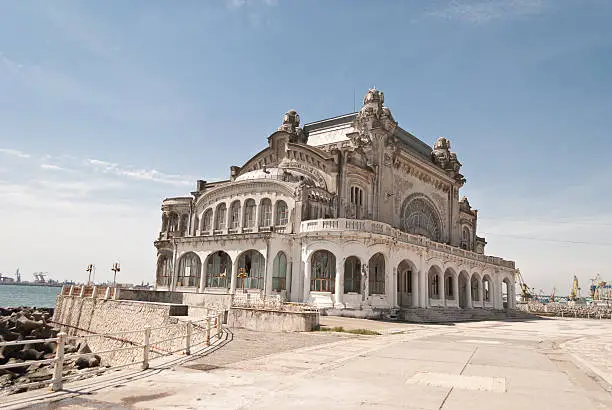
60, 356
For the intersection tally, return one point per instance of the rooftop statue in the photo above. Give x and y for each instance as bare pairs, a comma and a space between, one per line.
291, 125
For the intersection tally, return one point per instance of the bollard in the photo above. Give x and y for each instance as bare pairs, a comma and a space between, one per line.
188, 339
207, 331
59, 362
107, 294
146, 347
561, 314
575, 314
588, 315
600, 316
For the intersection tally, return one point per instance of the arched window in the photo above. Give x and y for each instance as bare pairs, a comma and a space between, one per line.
253, 264
377, 274
164, 269
486, 288
235, 215
282, 213
475, 293
279, 272
449, 286
265, 213
184, 223
249, 213
173, 221
434, 284
218, 270
220, 220
420, 217
164, 223
465, 239
189, 270
207, 220
322, 271
352, 275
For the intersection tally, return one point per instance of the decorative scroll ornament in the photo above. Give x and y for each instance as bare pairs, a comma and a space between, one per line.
291, 125
373, 115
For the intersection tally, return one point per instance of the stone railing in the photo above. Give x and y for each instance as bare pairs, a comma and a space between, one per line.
343, 225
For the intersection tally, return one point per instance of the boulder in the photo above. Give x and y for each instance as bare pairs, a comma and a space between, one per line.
30, 354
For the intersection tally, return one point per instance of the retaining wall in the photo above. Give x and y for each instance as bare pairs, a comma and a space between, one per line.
272, 320
86, 316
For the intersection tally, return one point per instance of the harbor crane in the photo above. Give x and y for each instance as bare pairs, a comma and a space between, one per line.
39, 277
525, 292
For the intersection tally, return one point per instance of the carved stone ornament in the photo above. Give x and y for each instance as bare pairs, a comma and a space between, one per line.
291, 125
373, 115
447, 160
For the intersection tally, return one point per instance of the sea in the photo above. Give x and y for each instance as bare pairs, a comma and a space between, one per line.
19, 295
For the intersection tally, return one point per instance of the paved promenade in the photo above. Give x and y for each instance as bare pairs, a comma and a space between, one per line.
544, 364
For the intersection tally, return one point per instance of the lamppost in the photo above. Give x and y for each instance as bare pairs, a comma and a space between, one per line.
116, 268
90, 268
242, 274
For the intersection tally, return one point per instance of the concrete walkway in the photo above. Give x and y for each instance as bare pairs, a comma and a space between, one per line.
478, 365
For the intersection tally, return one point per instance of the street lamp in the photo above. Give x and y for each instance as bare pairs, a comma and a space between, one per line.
90, 268
116, 268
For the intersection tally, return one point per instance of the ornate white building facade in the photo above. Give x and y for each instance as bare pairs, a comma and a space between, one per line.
350, 213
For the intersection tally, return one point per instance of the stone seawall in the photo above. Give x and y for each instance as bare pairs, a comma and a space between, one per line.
86, 316
271, 320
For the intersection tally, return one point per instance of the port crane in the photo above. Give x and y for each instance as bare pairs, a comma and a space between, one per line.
575, 293
39, 277
525, 292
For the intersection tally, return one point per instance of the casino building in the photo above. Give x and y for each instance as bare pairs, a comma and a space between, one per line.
349, 213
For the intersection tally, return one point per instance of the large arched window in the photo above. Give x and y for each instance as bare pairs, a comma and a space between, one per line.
265, 213
218, 270
475, 288
352, 275
486, 288
221, 213
207, 220
235, 215
164, 269
249, 213
184, 224
279, 272
189, 270
322, 271
253, 264
420, 217
282, 213
377, 274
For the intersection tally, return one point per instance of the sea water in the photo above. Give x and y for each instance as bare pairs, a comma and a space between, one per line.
19, 295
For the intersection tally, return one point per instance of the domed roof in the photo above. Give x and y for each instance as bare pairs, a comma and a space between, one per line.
279, 174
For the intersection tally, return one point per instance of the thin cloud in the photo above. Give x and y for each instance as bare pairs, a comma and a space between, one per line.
150, 175
237, 4
484, 11
52, 167
14, 153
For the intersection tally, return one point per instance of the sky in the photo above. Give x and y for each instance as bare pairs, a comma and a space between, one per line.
107, 107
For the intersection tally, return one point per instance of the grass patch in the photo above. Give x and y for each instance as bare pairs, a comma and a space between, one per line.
353, 331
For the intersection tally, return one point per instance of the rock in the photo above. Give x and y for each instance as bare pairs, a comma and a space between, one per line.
19, 369
30, 354
27, 325
94, 361
70, 349
6, 379
83, 347
44, 373
82, 362
50, 347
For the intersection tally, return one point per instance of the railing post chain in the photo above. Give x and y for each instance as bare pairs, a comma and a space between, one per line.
188, 339
146, 348
58, 369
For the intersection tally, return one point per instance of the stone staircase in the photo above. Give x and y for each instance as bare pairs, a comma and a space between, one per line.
446, 315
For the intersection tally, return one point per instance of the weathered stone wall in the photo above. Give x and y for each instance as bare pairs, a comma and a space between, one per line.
91, 317
150, 296
271, 320
567, 310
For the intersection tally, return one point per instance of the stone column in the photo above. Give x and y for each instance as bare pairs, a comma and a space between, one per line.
306, 280
456, 288
288, 279
414, 280
469, 293
442, 289
234, 278
481, 293
511, 296
257, 216
339, 283
423, 285
203, 276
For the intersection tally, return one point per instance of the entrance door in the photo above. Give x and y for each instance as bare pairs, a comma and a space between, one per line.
463, 288
404, 285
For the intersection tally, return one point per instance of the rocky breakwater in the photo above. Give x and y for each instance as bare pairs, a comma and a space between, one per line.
23, 324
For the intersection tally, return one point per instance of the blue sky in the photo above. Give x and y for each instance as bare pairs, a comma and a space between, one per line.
106, 107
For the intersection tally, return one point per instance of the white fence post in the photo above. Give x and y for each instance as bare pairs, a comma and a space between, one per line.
207, 331
219, 324
71, 290
188, 339
94, 291
107, 293
146, 347
82, 291
59, 362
